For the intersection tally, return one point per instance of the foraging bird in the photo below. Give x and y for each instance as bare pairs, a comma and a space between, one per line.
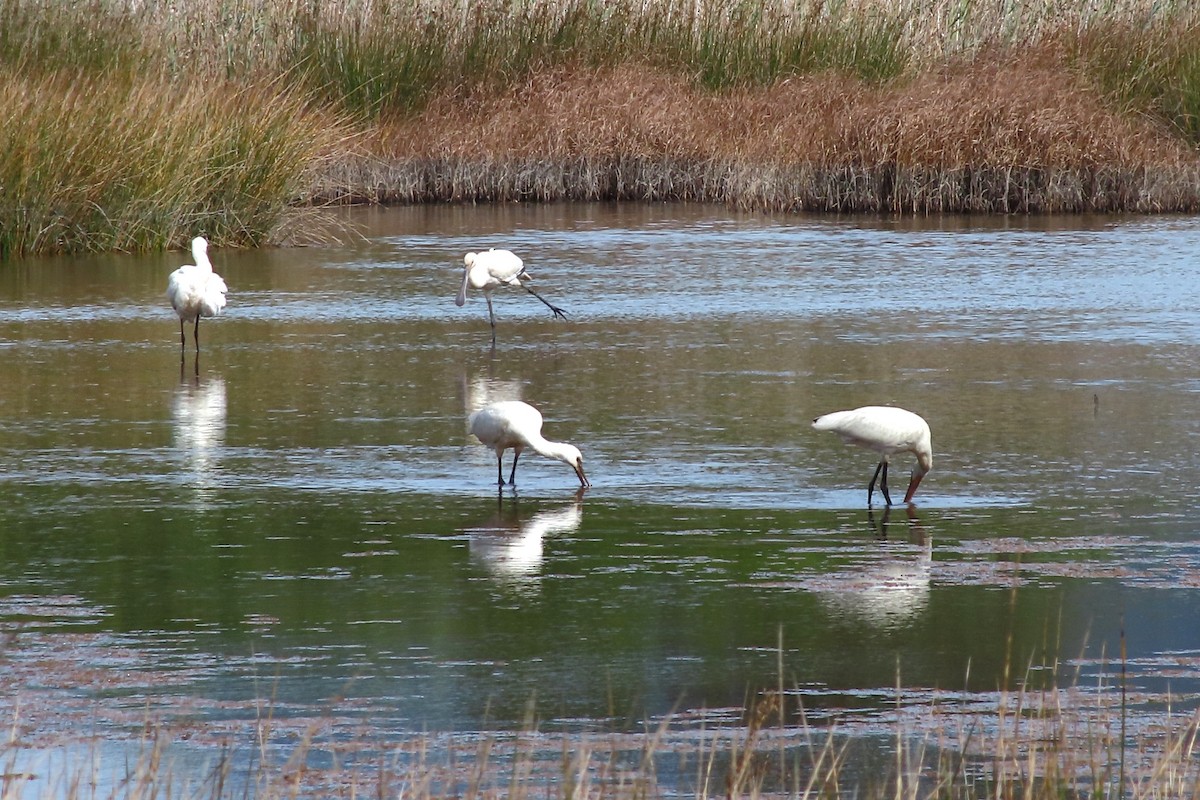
196, 291
518, 425
887, 431
494, 268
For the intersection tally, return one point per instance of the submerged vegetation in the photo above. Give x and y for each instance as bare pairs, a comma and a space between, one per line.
135, 125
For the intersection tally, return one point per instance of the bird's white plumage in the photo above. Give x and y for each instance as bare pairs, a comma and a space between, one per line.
516, 425
884, 429
196, 291
489, 270
887, 431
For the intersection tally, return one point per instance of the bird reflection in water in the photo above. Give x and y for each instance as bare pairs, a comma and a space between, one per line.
198, 414
510, 544
889, 588
479, 391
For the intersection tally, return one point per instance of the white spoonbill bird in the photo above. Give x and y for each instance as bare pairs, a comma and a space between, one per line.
887, 431
196, 291
517, 425
494, 268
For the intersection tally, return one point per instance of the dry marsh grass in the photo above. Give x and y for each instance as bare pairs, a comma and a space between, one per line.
113, 163
842, 105
986, 136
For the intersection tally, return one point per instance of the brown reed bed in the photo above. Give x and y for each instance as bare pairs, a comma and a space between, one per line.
991, 135
893, 106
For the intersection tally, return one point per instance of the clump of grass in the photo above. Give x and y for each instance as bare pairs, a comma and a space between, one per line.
1148, 66
105, 162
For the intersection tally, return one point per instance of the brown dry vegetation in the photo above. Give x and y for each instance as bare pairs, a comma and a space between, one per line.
854, 105
995, 134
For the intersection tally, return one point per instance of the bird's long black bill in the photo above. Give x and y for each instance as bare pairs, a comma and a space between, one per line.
462, 290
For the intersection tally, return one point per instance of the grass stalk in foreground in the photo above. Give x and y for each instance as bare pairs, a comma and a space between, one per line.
1032, 744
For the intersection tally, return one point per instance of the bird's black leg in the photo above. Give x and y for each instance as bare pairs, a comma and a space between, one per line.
875, 477
182, 340
499, 469
883, 484
491, 316
512, 476
558, 312
196, 333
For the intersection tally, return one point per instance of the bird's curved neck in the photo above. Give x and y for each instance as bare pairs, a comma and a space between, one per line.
201, 258
546, 447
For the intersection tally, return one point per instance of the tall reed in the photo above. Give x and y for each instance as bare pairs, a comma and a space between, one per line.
45, 37
1152, 67
106, 162
986, 137
387, 59
391, 56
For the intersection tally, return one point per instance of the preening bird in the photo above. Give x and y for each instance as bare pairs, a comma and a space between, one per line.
517, 425
494, 268
887, 431
196, 291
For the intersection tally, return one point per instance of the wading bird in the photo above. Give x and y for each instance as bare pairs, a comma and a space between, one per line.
494, 268
887, 431
196, 291
517, 425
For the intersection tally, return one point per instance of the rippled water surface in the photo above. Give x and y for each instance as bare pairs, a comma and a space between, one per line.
299, 518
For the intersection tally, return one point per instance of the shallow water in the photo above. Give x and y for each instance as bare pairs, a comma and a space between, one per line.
300, 519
